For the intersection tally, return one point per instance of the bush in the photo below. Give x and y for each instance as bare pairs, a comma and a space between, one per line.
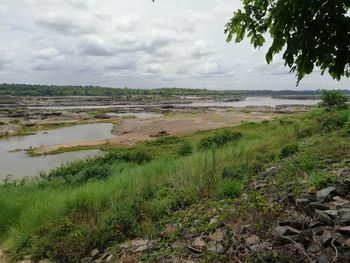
333, 100
219, 139
289, 150
138, 155
320, 180
229, 188
185, 149
333, 120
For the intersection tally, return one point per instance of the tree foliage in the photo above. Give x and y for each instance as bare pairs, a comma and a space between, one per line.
313, 33
333, 100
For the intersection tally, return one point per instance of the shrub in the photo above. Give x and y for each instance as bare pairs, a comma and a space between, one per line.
229, 188
139, 156
333, 120
333, 100
289, 150
185, 149
321, 180
219, 139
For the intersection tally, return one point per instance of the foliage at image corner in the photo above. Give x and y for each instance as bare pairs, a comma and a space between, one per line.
311, 34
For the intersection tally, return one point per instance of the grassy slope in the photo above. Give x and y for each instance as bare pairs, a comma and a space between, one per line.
64, 218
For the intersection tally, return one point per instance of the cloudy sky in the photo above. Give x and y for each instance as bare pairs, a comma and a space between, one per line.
134, 43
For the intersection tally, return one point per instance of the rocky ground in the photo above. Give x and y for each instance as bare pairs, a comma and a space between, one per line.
313, 226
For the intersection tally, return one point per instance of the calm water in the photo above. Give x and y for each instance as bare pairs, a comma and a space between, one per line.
20, 165
250, 101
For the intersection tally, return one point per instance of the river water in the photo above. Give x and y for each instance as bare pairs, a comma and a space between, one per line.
17, 163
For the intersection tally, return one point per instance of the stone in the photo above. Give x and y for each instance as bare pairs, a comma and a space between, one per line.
214, 220
324, 218
218, 235
177, 245
272, 171
215, 247
344, 219
109, 258
286, 231
310, 197
326, 194
322, 259
326, 238
344, 230
302, 202
45, 261
199, 243
341, 200
252, 240
94, 253
260, 247
25, 261
343, 181
248, 228
1, 253
170, 229
331, 213
319, 206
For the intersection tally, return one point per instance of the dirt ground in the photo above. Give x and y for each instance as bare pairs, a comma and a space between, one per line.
132, 130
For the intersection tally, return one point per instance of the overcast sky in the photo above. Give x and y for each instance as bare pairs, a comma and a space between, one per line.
135, 43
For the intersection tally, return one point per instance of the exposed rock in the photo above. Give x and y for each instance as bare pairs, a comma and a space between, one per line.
260, 247
319, 206
177, 245
344, 230
214, 220
341, 201
248, 228
326, 194
324, 218
109, 258
218, 235
331, 213
286, 231
140, 245
94, 253
344, 219
170, 229
215, 247
302, 202
343, 181
199, 243
272, 171
326, 238
252, 240
322, 259
310, 197
1, 253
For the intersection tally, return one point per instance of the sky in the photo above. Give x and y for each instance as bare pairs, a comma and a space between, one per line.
136, 44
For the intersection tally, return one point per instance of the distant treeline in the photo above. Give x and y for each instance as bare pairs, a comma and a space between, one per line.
42, 90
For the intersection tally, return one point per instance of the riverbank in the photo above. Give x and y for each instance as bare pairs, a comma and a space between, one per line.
182, 197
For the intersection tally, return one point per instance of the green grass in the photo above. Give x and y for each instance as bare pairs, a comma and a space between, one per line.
126, 193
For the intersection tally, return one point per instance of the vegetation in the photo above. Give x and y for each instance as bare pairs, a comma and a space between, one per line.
333, 100
309, 33
131, 192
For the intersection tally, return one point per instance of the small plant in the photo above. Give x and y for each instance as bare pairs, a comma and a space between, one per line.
229, 188
140, 156
333, 100
185, 149
333, 120
219, 139
289, 150
321, 180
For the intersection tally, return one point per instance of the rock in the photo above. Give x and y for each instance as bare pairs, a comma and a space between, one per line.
344, 219
249, 228
344, 230
177, 245
319, 206
109, 258
1, 253
286, 231
218, 235
343, 181
214, 220
215, 247
326, 194
140, 245
260, 247
310, 197
252, 240
302, 202
45, 261
326, 238
25, 261
86, 260
324, 218
331, 213
315, 224
94, 253
341, 201
170, 229
322, 259
199, 243
272, 171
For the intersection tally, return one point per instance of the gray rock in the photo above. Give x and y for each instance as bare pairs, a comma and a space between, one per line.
322, 259
310, 197
326, 238
109, 258
177, 245
344, 230
218, 235
248, 228
1, 253
319, 206
94, 253
286, 231
199, 243
302, 202
344, 219
326, 194
252, 240
215, 247
260, 247
324, 218
332, 213
214, 220
343, 181
272, 171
